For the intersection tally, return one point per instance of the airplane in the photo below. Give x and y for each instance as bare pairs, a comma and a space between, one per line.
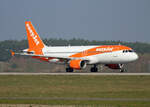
77, 57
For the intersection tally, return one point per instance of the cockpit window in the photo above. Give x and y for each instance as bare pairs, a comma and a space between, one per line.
131, 51
125, 51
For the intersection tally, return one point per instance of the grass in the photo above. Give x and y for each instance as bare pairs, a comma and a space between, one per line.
76, 87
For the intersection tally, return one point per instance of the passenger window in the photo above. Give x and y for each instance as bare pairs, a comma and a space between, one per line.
124, 51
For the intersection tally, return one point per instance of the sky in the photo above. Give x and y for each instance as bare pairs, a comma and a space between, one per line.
124, 20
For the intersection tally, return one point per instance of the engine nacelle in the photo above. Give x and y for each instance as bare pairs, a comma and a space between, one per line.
77, 64
114, 66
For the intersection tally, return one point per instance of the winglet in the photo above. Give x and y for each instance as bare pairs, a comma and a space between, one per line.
12, 53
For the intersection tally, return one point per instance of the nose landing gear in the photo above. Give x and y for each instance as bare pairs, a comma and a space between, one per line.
123, 70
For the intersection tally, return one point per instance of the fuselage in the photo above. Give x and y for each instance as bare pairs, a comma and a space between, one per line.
104, 54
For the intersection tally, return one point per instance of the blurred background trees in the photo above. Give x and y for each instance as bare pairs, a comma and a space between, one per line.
15, 45
27, 64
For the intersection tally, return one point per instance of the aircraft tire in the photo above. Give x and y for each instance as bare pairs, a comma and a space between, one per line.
69, 69
123, 70
94, 69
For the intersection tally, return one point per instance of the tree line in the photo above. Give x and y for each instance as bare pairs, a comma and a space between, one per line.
16, 45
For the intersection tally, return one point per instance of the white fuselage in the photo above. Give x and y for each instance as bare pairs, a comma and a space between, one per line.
114, 57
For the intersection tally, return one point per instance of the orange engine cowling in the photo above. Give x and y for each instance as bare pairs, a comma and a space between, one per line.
77, 64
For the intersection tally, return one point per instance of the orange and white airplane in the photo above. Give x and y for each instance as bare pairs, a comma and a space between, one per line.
77, 57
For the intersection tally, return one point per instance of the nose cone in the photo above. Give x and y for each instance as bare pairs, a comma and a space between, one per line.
135, 56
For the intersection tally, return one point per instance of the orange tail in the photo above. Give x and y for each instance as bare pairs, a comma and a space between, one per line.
35, 43
12, 53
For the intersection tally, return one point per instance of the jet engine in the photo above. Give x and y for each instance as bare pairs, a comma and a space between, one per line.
77, 64
114, 66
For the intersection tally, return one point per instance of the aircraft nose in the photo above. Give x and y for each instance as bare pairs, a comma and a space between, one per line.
135, 56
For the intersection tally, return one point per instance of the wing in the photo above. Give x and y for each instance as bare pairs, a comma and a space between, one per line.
48, 56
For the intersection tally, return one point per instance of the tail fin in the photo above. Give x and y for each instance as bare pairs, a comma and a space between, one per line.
12, 53
35, 43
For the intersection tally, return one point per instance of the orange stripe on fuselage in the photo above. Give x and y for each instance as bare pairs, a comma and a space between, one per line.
100, 50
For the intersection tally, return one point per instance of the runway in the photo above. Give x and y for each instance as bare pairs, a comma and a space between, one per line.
74, 73
76, 99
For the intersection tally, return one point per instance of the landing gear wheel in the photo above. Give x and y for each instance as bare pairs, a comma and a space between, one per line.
123, 70
69, 69
94, 69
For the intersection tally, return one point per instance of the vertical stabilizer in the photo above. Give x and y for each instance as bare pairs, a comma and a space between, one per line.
35, 43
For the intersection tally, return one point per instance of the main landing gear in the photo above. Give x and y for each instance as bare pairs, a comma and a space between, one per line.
69, 69
94, 69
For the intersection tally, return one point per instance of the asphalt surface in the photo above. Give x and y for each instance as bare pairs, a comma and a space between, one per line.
80, 99
74, 73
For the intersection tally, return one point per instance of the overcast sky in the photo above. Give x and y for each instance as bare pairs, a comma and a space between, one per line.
125, 20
